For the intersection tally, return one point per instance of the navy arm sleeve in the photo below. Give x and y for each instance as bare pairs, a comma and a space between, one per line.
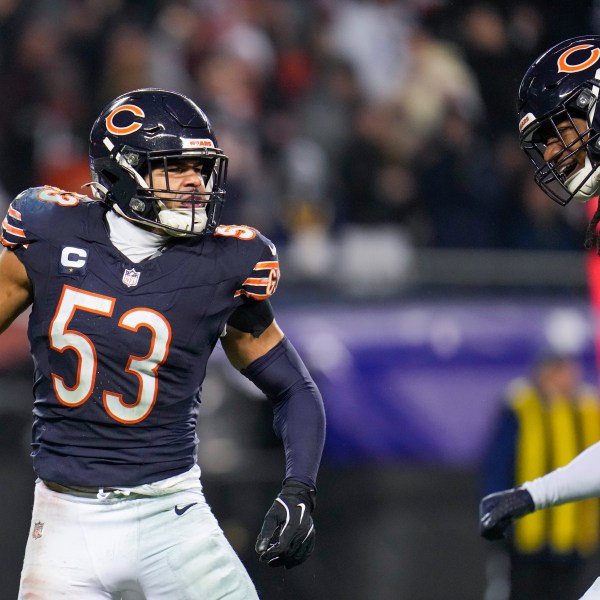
299, 414
254, 316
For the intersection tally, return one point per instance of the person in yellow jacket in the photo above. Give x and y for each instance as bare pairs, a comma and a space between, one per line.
547, 419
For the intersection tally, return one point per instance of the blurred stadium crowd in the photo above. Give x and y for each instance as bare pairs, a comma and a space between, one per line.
358, 130
360, 133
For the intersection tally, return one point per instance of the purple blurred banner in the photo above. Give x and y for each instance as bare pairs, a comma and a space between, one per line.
423, 381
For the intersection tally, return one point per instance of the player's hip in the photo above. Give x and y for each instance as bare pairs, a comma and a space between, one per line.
170, 544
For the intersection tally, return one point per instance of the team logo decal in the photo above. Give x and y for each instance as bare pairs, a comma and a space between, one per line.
196, 143
528, 118
127, 129
38, 528
131, 277
567, 67
273, 280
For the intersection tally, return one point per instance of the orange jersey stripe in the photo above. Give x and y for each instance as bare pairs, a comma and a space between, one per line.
7, 243
250, 295
256, 281
11, 229
13, 212
267, 264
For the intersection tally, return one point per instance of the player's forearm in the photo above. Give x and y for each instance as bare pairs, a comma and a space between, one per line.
299, 415
300, 422
577, 480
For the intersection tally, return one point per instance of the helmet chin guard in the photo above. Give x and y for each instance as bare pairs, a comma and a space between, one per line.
184, 219
585, 183
150, 129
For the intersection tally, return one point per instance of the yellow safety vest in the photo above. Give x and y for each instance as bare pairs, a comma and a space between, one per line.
551, 434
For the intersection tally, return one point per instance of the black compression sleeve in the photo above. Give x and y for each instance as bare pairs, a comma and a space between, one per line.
254, 316
299, 414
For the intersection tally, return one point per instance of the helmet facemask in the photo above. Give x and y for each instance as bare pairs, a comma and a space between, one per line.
128, 180
562, 178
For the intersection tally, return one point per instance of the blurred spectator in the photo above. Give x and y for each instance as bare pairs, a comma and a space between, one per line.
326, 110
462, 187
543, 225
374, 37
547, 418
369, 160
126, 62
393, 116
438, 80
499, 59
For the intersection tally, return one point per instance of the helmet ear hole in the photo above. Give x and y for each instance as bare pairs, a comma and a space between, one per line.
584, 99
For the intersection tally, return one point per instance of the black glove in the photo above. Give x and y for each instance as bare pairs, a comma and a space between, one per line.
287, 537
497, 511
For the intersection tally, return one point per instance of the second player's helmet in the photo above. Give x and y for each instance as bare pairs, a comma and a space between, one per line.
147, 129
561, 84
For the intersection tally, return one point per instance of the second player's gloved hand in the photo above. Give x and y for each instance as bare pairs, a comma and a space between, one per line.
287, 537
497, 511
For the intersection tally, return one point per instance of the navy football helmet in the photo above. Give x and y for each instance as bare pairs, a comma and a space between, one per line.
152, 128
562, 84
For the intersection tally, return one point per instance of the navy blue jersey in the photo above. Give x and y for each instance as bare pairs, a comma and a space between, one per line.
120, 348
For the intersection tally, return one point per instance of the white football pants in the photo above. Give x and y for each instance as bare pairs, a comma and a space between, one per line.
129, 548
594, 592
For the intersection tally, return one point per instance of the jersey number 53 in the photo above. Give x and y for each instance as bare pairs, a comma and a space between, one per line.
145, 368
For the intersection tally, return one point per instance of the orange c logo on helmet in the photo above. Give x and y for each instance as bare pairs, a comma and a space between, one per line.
565, 67
115, 129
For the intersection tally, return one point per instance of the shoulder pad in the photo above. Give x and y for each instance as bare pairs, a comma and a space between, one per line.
258, 257
35, 211
244, 233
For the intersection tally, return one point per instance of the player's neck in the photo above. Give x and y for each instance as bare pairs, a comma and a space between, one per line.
136, 243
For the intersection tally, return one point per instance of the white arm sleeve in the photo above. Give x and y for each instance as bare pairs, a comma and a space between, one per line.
577, 480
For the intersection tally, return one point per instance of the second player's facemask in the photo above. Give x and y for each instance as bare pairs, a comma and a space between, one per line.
562, 177
561, 85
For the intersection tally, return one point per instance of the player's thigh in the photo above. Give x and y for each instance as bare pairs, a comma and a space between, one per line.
197, 563
57, 562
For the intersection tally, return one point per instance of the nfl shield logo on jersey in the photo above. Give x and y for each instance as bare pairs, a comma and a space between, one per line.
36, 534
131, 277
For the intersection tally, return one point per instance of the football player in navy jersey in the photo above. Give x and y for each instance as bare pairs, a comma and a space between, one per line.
559, 127
130, 291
